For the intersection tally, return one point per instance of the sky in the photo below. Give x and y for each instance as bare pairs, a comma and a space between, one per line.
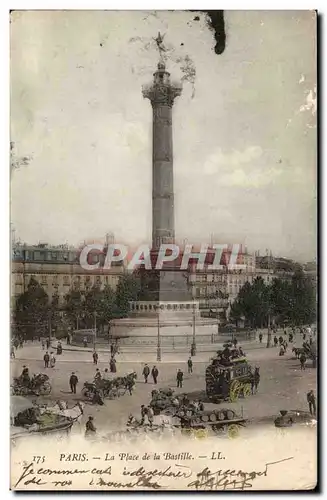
244, 128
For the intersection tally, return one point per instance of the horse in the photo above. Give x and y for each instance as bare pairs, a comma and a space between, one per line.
126, 382
297, 351
61, 408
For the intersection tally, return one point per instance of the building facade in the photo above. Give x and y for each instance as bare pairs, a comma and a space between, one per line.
57, 270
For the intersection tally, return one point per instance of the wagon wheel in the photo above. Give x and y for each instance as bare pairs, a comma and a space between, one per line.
233, 431
234, 391
200, 433
246, 389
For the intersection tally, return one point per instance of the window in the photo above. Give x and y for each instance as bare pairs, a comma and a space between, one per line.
44, 280
66, 280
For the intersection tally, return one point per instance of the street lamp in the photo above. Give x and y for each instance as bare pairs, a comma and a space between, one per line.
95, 328
193, 346
158, 343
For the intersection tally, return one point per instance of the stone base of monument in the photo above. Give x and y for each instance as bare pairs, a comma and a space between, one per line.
172, 323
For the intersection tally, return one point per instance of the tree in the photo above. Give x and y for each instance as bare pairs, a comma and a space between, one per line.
31, 313
58, 327
128, 289
280, 299
74, 307
236, 312
102, 304
302, 300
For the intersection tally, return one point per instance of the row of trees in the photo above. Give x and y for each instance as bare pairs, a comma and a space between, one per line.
34, 314
292, 302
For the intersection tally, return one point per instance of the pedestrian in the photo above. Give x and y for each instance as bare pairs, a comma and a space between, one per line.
73, 381
48, 343
106, 375
97, 376
90, 429
285, 344
150, 415
310, 340
189, 365
179, 378
95, 358
112, 365
146, 373
302, 361
256, 378
281, 340
85, 341
304, 336
43, 344
235, 342
290, 337
46, 359
12, 351
311, 402
52, 360
275, 341
260, 337
144, 413
154, 373
59, 348
112, 350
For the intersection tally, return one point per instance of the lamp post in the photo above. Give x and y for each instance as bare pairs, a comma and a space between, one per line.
217, 304
269, 333
95, 328
193, 346
158, 343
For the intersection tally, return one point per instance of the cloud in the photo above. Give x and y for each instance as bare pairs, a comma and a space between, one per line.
256, 178
219, 161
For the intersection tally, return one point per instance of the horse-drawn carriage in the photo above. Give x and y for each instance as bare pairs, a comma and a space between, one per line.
29, 420
38, 385
228, 379
109, 388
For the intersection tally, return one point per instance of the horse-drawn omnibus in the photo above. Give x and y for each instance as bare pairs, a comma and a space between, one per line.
229, 380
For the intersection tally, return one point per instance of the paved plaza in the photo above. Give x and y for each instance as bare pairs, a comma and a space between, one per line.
282, 386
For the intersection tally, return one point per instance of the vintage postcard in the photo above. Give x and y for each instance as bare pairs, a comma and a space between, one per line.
163, 232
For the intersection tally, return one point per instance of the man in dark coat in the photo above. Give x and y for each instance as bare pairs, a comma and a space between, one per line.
154, 373
73, 381
189, 365
146, 373
90, 429
303, 360
47, 342
46, 359
112, 365
256, 378
311, 402
179, 378
95, 358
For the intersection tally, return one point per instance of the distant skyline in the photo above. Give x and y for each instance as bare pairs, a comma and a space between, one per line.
244, 128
